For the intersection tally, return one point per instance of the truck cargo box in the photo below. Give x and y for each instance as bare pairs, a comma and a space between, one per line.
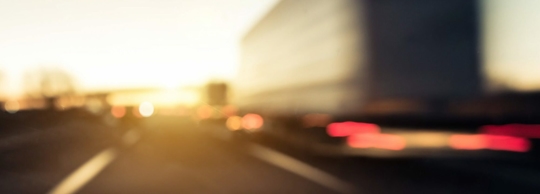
347, 58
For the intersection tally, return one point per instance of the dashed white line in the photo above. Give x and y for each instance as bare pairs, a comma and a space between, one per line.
84, 174
295, 166
300, 168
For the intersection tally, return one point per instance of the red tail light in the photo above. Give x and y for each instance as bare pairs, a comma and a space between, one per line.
517, 130
252, 121
467, 142
492, 142
118, 111
345, 129
374, 140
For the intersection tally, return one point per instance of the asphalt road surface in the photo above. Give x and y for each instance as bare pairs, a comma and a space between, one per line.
172, 155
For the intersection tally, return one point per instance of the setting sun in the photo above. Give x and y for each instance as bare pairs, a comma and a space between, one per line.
108, 45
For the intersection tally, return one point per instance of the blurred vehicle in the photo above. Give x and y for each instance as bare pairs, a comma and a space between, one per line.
216, 109
384, 78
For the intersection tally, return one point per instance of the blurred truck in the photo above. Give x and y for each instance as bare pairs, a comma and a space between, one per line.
373, 77
215, 108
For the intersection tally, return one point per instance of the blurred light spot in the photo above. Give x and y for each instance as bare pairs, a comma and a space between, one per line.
12, 106
229, 110
518, 130
205, 112
345, 129
492, 142
252, 121
118, 111
468, 142
234, 123
94, 105
316, 120
374, 140
507, 143
427, 139
146, 109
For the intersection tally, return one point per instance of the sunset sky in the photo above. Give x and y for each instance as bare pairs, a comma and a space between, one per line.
110, 44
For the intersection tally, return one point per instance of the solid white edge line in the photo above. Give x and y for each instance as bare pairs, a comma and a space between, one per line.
85, 173
300, 168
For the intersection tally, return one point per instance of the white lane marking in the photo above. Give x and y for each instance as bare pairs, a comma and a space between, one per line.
302, 169
84, 174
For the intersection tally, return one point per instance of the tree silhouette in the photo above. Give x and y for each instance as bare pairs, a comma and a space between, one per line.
48, 82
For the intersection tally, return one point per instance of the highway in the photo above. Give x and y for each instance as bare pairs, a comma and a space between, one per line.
174, 155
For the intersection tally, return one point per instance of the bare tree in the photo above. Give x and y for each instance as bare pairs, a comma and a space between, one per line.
31, 84
47, 82
3, 84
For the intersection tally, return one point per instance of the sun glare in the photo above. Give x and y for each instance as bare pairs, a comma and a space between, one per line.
164, 44
158, 98
146, 109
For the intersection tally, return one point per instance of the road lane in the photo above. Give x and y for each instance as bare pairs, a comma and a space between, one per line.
40, 160
300, 168
376, 175
80, 177
178, 158
189, 162
86, 172
183, 159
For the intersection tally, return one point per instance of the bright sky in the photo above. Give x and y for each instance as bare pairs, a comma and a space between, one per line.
108, 44
512, 43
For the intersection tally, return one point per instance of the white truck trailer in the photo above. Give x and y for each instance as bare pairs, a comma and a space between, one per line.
378, 74
349, 58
